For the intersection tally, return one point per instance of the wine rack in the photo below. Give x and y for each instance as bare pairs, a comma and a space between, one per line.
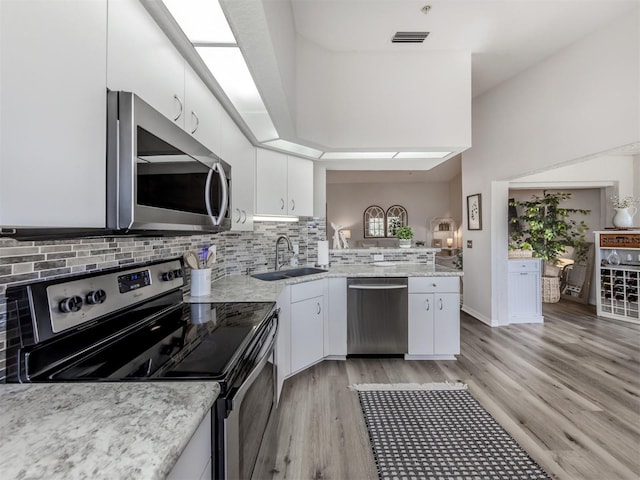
618, 275
619, 291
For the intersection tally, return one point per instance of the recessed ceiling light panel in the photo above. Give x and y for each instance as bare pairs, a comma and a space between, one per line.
355, 155
202, 21
422, 154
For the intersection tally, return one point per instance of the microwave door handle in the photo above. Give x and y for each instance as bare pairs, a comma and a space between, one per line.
225, 198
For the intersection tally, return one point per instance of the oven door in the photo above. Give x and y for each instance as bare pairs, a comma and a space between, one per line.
251, 417
159, 177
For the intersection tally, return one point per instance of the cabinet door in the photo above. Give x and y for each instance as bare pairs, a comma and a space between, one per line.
271, 182
202, 111
336, 339
524, 295
421, 330
53, 114
300, 187
307, 330
142, 60
283, 342
446, 325
236, 150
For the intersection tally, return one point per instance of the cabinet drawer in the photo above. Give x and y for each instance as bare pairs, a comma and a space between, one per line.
524, 265
303, 291
434, 284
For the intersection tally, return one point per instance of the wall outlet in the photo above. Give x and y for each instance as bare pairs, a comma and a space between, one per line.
469, 243
296, 249
378, 257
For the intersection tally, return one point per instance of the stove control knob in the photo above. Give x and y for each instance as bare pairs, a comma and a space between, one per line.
96, 297
70, 304
167, 276
177, 273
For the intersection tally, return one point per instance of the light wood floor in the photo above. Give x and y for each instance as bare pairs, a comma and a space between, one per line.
568, 391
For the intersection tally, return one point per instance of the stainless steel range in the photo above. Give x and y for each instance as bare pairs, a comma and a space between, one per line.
130, 324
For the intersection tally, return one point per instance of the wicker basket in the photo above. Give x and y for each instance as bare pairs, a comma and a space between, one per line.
550, 289
517, 253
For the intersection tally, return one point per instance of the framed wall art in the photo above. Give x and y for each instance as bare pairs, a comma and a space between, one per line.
474, 212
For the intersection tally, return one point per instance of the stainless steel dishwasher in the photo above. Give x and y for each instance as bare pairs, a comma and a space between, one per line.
377, 316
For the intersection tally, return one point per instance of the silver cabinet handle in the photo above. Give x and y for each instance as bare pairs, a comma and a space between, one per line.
244, 216
427, 306
319, 308
239, 215
293, 205
181, 108
440, 305
434, 285
195, 115
524, 273
282, 204
377, 287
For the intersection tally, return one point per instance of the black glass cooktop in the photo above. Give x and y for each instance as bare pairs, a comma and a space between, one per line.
190, 340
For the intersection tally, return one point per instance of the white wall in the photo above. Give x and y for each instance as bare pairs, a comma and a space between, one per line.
579, 102
339, 102
346, 203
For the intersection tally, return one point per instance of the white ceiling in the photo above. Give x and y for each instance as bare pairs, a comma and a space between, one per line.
503, 37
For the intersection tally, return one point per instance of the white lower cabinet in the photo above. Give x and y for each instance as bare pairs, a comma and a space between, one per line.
434, 317
525, 291
307, 324
335, 344
307, 333
195, 460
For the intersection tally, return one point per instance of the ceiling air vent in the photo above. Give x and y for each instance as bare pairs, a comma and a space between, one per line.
409, 37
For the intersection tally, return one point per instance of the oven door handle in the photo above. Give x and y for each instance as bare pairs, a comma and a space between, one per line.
225, 194
242, 390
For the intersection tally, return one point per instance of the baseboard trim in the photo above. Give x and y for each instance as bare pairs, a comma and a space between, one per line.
335, 357
478, 316
429, 357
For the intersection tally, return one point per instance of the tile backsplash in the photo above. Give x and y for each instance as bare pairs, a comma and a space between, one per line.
237, 253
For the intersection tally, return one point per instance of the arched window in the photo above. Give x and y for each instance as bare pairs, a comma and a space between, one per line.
396, 217
374, 224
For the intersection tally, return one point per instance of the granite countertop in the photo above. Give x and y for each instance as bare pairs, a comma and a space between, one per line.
133, 430
244, 288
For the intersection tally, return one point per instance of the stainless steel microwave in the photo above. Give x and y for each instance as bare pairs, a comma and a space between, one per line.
160, 178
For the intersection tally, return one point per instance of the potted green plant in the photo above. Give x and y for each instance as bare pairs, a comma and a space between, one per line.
547, 229
404, 235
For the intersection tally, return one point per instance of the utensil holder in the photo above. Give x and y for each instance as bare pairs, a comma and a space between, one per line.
200, 282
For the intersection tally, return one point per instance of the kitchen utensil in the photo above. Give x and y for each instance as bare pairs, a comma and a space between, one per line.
211, 259
191, 259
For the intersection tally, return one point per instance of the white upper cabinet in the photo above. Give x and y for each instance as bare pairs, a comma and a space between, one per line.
300, 183
53, 114
271, 182
241, 155
203, 113
142, 60
284, 184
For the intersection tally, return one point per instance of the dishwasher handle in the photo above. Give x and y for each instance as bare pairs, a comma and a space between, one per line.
377, 287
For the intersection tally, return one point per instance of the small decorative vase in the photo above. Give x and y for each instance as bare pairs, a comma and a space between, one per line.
613, 258
624, 217
404, 243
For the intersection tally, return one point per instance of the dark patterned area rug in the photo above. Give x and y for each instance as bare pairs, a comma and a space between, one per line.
439, 431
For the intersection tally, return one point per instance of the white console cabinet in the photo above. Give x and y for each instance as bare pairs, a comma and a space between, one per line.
434, 318
618, 274
525, 291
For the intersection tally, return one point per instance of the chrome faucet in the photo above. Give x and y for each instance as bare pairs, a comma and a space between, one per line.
290, 248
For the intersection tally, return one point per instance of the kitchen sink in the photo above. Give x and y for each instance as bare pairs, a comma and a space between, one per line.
291, 273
